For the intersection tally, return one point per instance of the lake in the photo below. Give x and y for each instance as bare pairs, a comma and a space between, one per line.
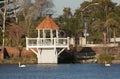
60, 71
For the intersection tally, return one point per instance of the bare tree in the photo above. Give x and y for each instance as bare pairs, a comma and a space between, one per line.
15, 6
3, 11
16, 32
7, 10
43, 7
32, 10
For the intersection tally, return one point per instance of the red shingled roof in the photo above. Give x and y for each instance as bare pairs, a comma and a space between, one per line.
47, 23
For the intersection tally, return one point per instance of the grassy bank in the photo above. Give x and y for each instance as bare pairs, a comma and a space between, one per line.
17, 60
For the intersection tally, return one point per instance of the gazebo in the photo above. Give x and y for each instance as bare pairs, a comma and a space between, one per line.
46, 44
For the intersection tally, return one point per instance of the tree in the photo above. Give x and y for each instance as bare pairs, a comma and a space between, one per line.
96, 16
67, 12
112, 25
14, 9
70, 25
96, 31
5, 12
108, 7
74, 29
32, 10
16, 33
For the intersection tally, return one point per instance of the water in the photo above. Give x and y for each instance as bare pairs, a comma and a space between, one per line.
60, 71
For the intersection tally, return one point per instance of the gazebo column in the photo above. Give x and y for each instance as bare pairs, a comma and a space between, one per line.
56, 33
51, 35
44, 36
38, 33
57, 36
38, 39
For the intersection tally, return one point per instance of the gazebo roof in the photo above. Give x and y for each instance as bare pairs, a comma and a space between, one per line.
47, 23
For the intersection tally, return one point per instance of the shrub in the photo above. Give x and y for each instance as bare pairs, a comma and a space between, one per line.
105, 57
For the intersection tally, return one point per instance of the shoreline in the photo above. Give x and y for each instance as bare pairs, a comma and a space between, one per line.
8, 62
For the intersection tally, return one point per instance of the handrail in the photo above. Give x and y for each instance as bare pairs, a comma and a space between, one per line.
47, 42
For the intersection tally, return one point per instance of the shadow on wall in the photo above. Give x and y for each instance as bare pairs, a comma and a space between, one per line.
71, 55
87, 51
66, 57
5, 53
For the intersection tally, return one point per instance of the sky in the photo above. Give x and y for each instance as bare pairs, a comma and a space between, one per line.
73, 4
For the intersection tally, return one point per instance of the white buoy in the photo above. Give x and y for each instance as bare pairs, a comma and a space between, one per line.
21, 65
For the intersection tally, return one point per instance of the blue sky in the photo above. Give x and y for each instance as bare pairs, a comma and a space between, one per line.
73, 4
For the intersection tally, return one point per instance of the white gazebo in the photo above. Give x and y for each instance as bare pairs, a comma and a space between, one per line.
46, 44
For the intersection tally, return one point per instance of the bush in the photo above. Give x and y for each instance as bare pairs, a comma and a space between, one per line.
23, 43
118, 56
14, 60
105, 57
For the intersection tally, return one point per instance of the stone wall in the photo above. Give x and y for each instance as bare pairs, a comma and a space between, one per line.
14, 52
98, 50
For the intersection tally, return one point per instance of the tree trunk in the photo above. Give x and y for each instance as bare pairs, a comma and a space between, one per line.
4, 20
15, 6
104, 38
114, 38
20, 48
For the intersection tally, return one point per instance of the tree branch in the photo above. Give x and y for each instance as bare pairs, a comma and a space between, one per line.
1, 12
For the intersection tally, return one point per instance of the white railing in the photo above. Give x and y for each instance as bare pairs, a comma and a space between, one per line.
101, 45
47, 42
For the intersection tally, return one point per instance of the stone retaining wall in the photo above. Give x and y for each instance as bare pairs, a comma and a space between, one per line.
14, 52
98, 50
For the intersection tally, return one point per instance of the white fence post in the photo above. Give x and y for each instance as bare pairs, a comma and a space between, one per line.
27, 43
68, 42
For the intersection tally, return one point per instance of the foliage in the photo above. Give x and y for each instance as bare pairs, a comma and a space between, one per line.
21, 13
67, 12
105, 57
102, 15
71, 27
15, 33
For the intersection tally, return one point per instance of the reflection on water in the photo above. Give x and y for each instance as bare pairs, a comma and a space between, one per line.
60, 71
